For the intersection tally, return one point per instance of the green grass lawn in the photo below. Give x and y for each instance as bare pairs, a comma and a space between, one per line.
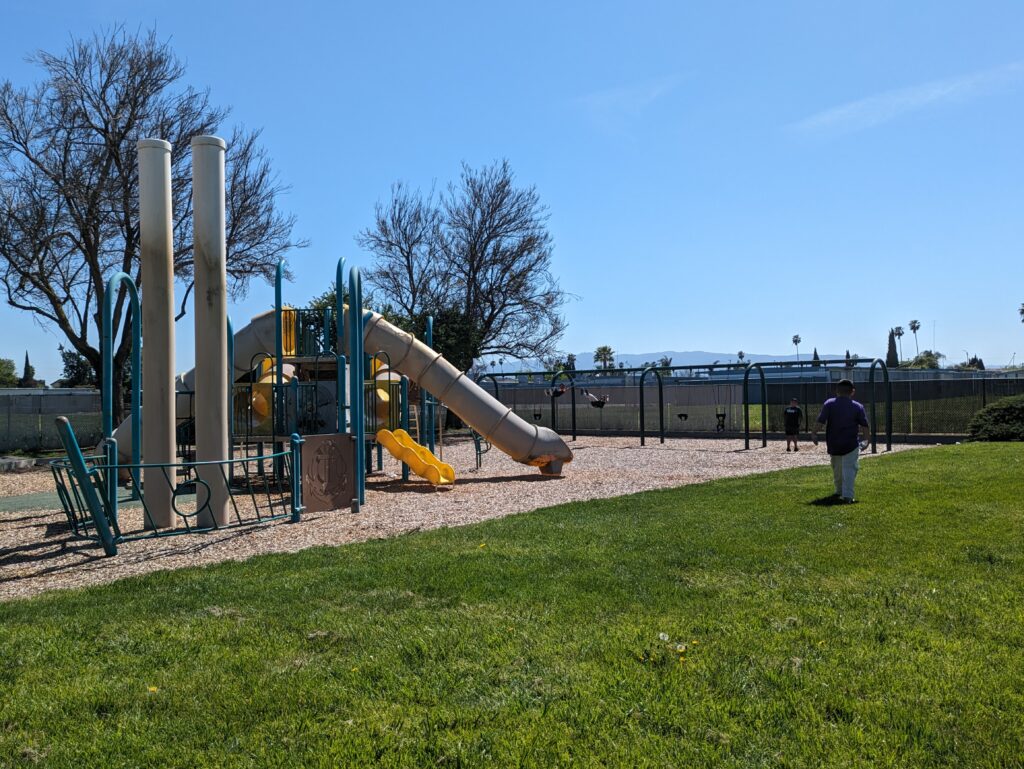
887, 633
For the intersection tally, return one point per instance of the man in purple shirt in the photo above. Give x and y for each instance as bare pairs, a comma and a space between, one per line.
846, 434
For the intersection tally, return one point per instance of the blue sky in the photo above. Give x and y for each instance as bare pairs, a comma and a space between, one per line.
719, 176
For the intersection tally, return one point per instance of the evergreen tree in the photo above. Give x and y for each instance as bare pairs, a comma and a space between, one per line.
849, 360
928, 359
892, 360
815, 359
77, 370
28, 374
8, 377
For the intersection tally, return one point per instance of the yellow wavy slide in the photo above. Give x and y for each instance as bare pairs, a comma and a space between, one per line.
403, 448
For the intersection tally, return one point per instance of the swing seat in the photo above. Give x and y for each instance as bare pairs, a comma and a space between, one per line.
683, 417
598, 404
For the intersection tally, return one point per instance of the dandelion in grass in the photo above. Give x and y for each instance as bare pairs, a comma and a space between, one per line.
681, 648
483, 544
662, 636
154, 689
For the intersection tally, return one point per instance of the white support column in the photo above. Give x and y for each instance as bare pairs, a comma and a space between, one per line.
210, 252
156, 237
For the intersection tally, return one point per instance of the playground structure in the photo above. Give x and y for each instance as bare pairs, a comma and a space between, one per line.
323, 389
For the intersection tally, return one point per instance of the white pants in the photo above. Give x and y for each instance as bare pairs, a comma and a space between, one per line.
844, 472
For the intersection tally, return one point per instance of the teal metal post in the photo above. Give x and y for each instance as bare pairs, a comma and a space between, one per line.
430, 418
746, 405
356, 377
404, 394
888, 406
297, 506
231, 399
661, 404
294, 387
572, 400
108, 383
277, 402
339, 320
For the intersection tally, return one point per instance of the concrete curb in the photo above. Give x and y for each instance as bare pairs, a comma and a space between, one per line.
14, 464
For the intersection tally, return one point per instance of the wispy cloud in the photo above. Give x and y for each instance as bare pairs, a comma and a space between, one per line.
883, 107
615, 108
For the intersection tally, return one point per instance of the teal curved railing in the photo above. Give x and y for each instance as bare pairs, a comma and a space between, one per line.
85, 484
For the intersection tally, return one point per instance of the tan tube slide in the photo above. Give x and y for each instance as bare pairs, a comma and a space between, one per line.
530, 444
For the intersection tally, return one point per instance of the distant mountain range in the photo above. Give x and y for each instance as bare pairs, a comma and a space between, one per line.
693, 357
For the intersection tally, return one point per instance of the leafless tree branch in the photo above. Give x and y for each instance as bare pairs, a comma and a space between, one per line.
69, 184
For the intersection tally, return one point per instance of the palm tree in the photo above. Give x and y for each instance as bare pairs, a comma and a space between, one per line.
915, 326
1022, 312
898, 333
605, 356
796, 343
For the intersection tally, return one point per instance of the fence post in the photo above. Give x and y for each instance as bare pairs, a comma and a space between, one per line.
297, 506
746, 406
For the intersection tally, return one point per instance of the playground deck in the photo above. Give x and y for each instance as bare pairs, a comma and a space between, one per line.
37, 553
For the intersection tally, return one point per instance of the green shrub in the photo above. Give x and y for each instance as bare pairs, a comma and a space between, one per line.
1000, 421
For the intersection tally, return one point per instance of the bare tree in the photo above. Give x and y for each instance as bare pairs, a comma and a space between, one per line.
480, 257
497, 250
405, 240
69, 185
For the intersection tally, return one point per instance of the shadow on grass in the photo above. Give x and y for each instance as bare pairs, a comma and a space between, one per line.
828, 501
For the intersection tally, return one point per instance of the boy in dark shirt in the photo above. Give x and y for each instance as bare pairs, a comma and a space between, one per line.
845, 422
792, 416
